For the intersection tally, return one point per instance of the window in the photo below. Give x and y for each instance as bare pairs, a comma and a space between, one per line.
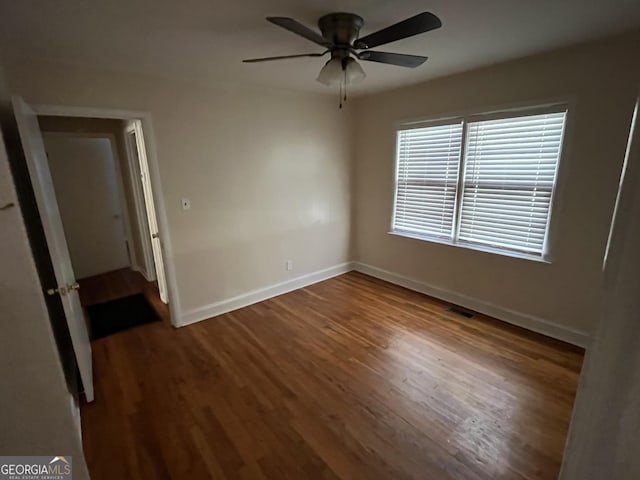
483, 181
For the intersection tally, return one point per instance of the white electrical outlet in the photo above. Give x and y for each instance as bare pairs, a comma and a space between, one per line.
186, 203
289, 265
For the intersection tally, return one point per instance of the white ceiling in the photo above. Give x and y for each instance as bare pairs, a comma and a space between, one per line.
206, 40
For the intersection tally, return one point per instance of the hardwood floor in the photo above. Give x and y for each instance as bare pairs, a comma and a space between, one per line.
351, 378
119, 284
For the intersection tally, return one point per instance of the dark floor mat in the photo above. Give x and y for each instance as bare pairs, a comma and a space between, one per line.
117, 315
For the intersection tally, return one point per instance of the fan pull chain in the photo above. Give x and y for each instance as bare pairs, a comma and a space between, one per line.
345, 85
343, 89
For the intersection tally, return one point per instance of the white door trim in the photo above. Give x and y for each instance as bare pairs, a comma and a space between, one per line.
156, 185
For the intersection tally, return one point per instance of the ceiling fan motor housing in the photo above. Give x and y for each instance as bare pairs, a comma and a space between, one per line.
341, 29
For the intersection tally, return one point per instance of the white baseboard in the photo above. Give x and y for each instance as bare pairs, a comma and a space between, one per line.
255, 296
520, 319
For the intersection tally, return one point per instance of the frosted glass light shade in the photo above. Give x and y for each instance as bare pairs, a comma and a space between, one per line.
333, 72
354, 71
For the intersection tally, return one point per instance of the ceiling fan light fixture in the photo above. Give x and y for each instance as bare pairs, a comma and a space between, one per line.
353, 70
331, 74
337, 71
340, 36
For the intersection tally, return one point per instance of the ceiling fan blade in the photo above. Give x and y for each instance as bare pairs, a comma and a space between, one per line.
421, 23
283, 57
399, 59
299, 29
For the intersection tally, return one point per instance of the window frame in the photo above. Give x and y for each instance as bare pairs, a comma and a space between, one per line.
465, 119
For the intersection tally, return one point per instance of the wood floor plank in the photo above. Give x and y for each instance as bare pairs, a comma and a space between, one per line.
352, 378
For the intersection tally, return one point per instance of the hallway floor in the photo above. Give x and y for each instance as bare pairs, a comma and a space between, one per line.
119, 284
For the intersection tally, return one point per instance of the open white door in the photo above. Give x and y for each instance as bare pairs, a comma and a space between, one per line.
67, 286
156, 244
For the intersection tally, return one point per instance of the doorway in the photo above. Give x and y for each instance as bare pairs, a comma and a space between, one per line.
66, 285
106, 209
97, 182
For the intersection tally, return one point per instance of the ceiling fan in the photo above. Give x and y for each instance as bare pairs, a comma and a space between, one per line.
340, 38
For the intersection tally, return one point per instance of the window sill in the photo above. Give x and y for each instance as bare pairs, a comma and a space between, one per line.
478, 248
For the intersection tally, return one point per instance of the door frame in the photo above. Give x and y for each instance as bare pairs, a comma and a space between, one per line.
154, 177
126, 219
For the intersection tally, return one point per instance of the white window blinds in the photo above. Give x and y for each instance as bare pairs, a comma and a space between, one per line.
499, 195
509, 175
426, 180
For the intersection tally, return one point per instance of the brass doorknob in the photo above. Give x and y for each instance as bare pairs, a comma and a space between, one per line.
53, 291
73, 286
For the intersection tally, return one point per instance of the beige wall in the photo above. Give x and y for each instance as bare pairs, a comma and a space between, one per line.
4, 87
267, 172
601, 81
115, 128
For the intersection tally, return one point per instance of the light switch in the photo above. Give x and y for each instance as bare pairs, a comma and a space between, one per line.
186, 204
